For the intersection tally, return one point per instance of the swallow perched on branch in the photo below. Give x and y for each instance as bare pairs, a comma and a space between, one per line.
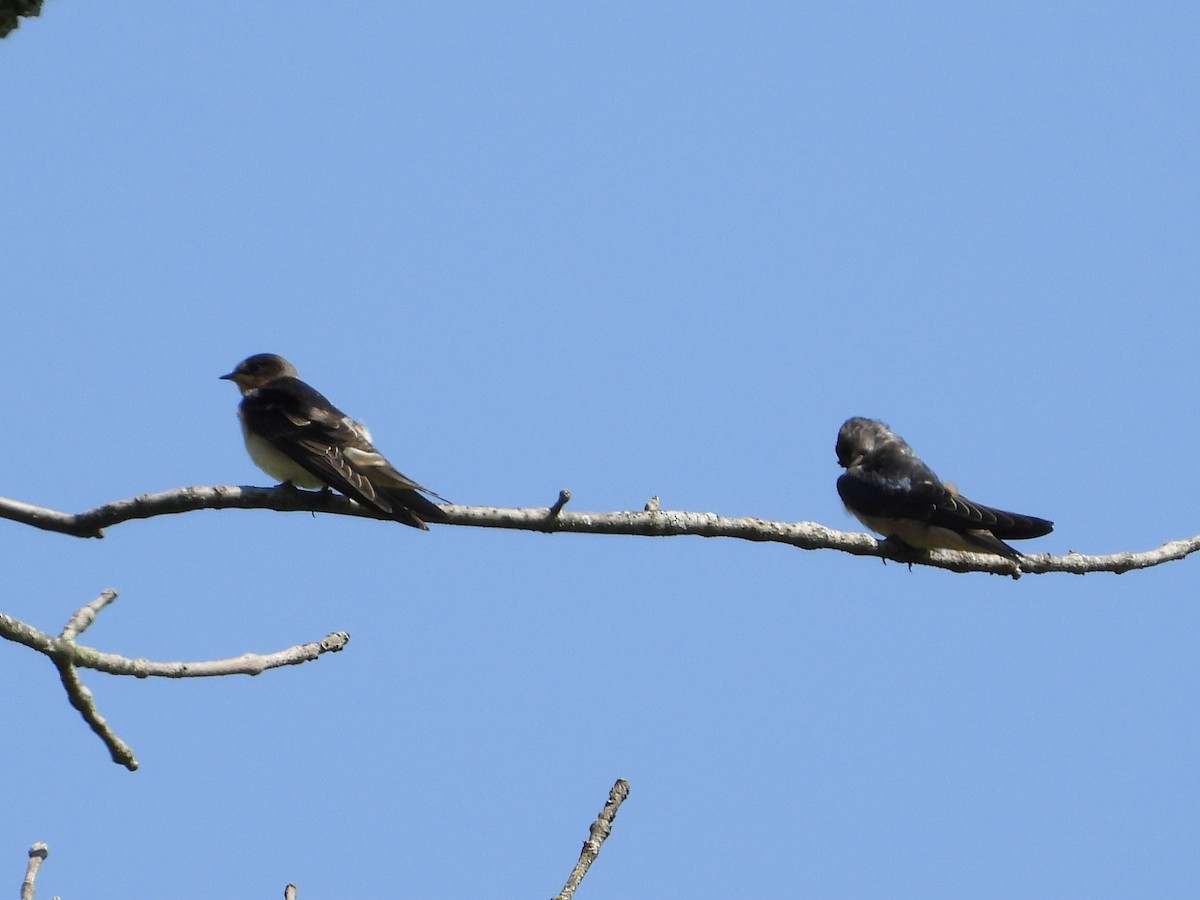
889, 489
294, 434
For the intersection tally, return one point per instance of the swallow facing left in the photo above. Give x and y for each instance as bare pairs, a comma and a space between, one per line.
889, 489
294, 434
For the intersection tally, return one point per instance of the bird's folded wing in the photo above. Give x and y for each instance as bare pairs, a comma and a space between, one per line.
932, 501
952, 510
313, 442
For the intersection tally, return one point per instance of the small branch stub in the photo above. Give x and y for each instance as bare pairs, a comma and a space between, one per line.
564, 497
37, 855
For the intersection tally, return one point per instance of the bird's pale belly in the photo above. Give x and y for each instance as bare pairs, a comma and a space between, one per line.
920, 535
278, 465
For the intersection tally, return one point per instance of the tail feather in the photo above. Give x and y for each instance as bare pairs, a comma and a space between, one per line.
413, 508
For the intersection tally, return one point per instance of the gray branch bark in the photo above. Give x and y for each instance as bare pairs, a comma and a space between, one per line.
650, 522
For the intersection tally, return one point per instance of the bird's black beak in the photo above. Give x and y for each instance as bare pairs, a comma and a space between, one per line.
228, 377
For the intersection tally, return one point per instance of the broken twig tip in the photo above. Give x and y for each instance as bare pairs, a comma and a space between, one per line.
564, 497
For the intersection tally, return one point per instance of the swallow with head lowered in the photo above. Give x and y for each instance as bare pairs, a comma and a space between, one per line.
889, 489
294, 434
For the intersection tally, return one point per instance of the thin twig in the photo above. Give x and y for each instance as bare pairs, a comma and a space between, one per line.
113, 664
654, 523
86, 615
598, 833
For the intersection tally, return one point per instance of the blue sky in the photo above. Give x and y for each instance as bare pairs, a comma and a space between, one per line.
627, 250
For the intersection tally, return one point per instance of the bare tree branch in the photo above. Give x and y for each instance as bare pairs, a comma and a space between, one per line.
648, 523
67, 656
37, 855
598, 833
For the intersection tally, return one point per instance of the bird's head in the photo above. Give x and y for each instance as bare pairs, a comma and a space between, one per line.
858, 437
255, 371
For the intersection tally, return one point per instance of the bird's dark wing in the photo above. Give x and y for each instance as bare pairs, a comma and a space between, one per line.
909, 494
957, 512
926, 499
301, 424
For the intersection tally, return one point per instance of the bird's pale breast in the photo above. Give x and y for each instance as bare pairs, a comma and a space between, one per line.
278, 465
